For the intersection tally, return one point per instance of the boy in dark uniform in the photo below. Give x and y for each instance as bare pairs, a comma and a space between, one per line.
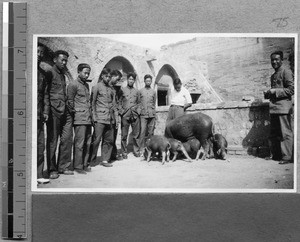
104, 112
60, 120
79, 103
42, 116
148, 113
280, 95
129, 111
115, 78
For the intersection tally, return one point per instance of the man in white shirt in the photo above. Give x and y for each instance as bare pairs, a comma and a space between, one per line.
180, 100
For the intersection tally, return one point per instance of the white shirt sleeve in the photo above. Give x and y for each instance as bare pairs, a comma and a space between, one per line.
187, 95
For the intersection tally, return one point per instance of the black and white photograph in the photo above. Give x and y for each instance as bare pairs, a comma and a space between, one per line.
173, 112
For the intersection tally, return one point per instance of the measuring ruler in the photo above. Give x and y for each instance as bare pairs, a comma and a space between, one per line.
14, 120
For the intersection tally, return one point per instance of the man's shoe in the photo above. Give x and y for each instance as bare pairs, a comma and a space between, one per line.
87, 169
284, 162
53, 175
106, 164
276, 158
136, 154
79, 171
125, 157
43, 181
66, 172
113, 158
119, 157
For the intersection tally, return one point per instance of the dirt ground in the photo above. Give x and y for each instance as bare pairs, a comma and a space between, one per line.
242, 172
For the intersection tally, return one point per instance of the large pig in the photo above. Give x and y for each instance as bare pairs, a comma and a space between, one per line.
191, 126
177, 146
218, 146
157, 143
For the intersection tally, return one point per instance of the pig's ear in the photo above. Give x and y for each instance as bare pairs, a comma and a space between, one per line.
226, 150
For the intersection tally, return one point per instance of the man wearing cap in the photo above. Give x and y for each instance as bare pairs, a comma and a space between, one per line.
60, 120
79, 104
281, 108
180, 100
42, 116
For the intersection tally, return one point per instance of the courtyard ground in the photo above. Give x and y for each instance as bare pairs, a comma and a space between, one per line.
241, 172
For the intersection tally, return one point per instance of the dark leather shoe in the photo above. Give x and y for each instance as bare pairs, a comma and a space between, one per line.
66, 172
106, 164
136, 154
119, 157
125, 157
53, 175
87, 169
272, 158
284, 162
79, 171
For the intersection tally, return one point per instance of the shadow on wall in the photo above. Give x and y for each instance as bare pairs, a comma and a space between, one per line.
256, 141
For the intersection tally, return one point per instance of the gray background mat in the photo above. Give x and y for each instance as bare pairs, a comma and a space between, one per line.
160, 217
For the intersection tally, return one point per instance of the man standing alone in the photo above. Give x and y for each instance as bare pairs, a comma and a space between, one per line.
280, 95
180, 100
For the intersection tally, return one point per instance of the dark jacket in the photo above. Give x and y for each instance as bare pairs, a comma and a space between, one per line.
148, 102
57, 91
129, 103
104, 104
283, 82
43, 96
79, 102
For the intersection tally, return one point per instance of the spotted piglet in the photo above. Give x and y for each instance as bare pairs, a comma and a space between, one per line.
157, 143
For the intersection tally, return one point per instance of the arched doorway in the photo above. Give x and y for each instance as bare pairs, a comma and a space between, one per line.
123, 65
164, 81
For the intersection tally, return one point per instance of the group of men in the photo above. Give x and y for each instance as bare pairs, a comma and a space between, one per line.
71, 110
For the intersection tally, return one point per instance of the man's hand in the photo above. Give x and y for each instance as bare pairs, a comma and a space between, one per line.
269, 92
186, 106
45, 116
94, 122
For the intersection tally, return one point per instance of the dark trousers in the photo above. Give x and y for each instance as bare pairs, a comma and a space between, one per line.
59, 127
40, 148
82, 143
135, 125
281, 136
174, 112
147, 130
104, 132
114, 152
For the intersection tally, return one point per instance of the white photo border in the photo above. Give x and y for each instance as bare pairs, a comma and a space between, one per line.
34, 187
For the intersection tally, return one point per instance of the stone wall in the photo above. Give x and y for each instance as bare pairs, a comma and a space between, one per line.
98, 52
235, 67
245, 125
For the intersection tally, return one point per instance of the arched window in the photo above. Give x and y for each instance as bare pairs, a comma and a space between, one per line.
164, 81
123, 65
